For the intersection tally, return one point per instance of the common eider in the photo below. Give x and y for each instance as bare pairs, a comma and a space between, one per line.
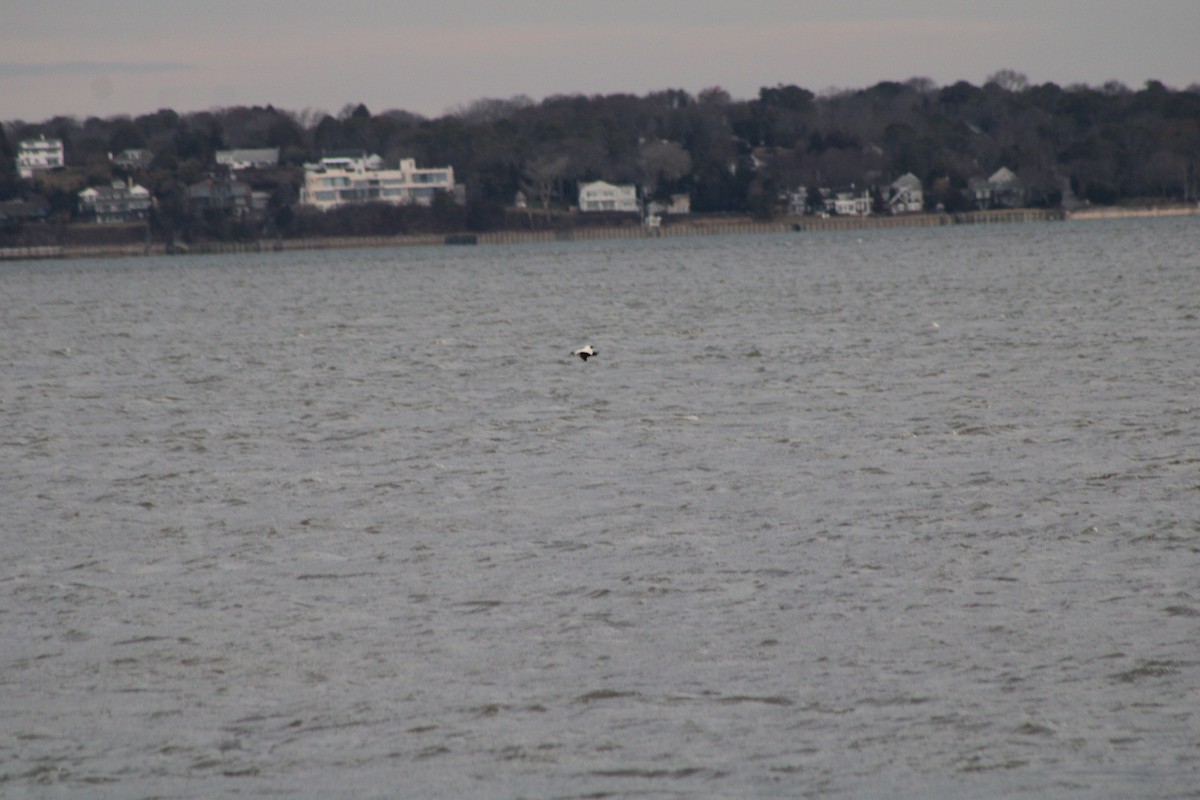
585, 352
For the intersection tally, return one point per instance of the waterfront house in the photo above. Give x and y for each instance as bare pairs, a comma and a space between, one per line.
120, 202
349, 179
221, 194
1003, 189
678, 205
797, 201
905, 195
34, 209
605, 196
849, 202
1007, 189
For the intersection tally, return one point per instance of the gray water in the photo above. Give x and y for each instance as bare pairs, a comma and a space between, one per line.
909, 513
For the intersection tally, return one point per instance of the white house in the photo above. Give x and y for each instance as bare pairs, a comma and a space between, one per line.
340, 180
38, 155
678, 205
120, 202
905, 195
248, 158
849, 202
604, 196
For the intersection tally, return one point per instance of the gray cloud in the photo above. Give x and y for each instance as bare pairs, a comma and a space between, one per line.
13, 69
139, 55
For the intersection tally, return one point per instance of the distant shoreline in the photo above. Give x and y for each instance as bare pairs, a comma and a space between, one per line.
677, 229
1134, 213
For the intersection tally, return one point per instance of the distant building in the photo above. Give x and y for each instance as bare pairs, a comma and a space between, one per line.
218, 193
120, 202
1002, 190
679, 204
254, 158
39, 155
1007, 188
797, 201
849, 202
349, 159
905, 195
35, 209
604, 196
135, 158
980, 191
350, 179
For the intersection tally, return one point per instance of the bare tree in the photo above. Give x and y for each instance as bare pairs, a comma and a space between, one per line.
921, 84
543, 175
1009, 79
659, 162
488, 110
714, 96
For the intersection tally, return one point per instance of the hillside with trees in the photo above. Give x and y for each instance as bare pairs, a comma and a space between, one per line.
1102, 145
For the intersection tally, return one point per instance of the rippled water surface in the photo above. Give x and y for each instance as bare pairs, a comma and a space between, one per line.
891, 514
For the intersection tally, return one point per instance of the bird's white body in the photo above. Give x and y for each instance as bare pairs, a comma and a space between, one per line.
586, 352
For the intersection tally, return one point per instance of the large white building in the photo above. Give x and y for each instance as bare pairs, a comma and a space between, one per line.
604, 196
347, 180
38, 155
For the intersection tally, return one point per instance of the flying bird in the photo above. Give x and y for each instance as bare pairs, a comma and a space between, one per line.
586, 352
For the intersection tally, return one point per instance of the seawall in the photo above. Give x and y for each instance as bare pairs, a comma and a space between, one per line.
675, 229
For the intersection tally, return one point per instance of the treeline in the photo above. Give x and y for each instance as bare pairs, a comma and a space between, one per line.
1106, 145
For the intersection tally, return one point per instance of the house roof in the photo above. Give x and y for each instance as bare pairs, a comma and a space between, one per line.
605, 184
1002, 176
40, 143
118, 191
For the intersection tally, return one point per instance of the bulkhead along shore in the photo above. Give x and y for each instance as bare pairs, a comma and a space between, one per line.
717, 226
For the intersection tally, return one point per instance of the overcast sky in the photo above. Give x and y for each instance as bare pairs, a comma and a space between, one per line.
92, 58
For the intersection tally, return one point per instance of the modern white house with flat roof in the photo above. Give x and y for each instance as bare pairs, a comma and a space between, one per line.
39, 155
340, 180
604, 196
